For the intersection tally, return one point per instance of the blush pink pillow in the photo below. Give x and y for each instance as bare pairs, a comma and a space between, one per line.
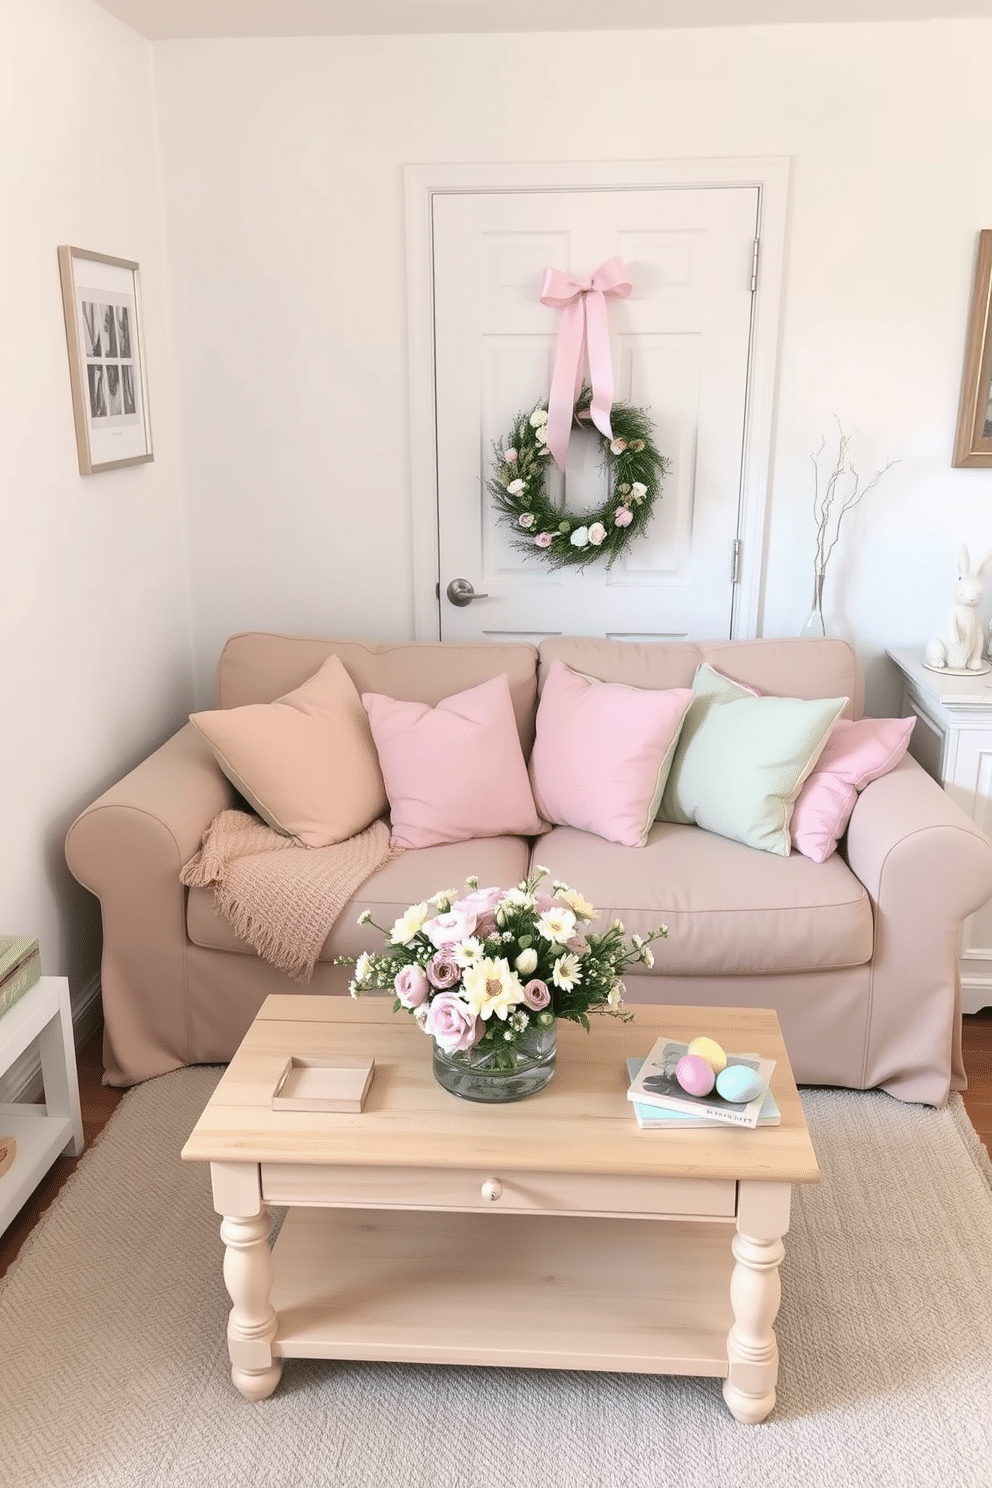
855, 754
603, 752
453, 772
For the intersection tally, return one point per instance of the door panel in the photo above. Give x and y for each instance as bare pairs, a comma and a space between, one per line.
680, 346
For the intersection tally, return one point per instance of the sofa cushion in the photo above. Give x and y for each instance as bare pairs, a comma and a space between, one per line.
392, 889
790, 667
742, 760
855, 754
305, 763
729, 909
257, 666
602, 753
453, 772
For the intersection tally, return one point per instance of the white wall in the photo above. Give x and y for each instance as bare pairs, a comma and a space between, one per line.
94, 608
284, 211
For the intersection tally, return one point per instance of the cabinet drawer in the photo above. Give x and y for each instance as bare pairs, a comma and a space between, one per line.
329, 1185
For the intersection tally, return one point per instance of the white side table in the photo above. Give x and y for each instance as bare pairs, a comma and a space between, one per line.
952, 740
41, 1018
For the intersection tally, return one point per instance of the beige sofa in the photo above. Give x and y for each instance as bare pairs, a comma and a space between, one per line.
858, 955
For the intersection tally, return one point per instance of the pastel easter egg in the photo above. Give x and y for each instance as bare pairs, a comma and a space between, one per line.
694, 1075
738, 1083
709, 1050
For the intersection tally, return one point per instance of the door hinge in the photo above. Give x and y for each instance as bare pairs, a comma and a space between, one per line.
735, 571
754, 267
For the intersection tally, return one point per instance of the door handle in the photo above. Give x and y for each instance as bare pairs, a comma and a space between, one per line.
461, 593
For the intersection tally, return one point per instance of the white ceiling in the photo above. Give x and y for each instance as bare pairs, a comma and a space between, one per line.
172, 19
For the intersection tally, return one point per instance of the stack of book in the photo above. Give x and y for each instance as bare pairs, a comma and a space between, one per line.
662, 1103
20, 968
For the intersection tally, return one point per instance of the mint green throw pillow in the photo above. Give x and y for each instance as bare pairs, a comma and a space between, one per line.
741, 760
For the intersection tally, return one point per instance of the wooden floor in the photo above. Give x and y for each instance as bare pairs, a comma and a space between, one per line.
99, 1102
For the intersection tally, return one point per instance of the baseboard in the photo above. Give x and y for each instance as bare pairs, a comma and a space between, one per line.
22, 1082
975, 995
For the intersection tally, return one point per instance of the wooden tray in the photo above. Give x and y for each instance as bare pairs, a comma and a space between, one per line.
313, 1084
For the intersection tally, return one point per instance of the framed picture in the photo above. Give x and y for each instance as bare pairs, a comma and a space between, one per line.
973, 445
106, 360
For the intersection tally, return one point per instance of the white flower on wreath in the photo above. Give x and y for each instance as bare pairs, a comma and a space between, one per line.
541, 436
538, 418
526, 519
618, 446
409, 924
638, 490
556, 925
580, 537
566, 972
491, 987
597, 534
515, 487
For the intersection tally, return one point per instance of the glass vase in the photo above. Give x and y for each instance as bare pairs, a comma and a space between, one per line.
813, 625
502, 1074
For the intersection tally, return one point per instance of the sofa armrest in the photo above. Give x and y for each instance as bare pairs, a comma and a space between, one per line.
127, 848
926, 867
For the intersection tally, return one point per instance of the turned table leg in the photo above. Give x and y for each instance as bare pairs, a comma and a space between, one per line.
252, 1323
755, 1293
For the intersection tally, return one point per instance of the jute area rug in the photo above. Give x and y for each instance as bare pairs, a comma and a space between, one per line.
114, 1370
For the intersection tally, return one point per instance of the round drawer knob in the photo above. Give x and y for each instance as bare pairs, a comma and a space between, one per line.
492, 1189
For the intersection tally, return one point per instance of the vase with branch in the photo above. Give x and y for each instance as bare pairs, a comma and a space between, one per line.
832, 500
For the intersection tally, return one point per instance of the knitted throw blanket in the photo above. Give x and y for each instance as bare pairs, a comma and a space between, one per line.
283, 899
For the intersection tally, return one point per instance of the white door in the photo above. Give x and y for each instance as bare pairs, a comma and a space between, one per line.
680, 346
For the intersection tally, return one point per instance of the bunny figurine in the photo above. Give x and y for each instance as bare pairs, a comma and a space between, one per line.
959, 647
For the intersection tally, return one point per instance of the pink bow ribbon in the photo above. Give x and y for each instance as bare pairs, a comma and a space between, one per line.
583, 306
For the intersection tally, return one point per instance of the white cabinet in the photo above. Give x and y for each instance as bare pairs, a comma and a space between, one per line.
40, 1019
952, 740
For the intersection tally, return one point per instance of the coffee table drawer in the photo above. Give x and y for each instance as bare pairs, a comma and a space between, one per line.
468, 1189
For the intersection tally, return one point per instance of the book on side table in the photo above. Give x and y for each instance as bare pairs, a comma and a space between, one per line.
663, 1103
20, 968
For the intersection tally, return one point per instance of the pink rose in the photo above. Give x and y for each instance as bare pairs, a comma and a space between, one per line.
478, 902
536, 995
443, 970
411, 986
545, 539
448, 929
623, 516
451, 1023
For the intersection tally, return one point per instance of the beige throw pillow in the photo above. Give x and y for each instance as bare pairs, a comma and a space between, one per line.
306, 763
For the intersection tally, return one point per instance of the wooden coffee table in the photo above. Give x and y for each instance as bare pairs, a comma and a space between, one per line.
550, 1233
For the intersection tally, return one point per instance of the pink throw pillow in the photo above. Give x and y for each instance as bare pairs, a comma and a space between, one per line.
602, 753
456, 771
855, 754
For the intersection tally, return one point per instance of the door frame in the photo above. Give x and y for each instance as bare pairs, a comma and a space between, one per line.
770, 174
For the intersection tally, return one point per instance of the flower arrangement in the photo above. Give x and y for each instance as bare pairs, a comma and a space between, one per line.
479, 970
568, 539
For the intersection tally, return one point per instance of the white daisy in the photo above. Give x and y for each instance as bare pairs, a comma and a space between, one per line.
556, 925
491, 987
467, 951
408, 924
566, 973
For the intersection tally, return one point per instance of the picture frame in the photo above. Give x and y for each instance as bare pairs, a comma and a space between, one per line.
973, 442
104, 335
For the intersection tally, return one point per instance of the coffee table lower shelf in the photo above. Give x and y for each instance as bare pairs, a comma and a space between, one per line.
511, 1291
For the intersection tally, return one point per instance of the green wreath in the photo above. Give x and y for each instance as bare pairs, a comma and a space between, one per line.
565, 539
